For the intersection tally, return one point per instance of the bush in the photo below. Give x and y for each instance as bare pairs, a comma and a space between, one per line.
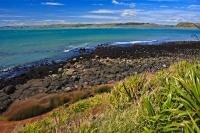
180, 109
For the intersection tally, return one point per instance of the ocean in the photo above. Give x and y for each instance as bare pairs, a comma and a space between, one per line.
22, 46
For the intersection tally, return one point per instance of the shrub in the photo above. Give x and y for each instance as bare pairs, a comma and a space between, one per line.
180, 110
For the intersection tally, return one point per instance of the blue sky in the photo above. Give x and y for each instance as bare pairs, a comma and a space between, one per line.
20, 12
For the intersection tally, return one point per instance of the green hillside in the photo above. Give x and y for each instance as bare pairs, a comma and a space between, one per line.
165, 101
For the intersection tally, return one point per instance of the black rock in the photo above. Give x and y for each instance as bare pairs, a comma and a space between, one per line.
5, 101
76, 78
9, 89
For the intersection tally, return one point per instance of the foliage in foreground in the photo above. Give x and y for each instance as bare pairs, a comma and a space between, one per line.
167, 101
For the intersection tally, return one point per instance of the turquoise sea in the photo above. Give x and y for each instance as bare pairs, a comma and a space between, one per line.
22, 46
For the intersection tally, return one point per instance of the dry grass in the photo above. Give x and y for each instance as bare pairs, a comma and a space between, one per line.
43, 103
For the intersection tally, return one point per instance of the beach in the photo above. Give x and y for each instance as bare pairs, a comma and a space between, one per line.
107, 64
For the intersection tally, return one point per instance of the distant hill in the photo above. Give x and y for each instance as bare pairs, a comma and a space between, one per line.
188, 25
109, 25
106, 25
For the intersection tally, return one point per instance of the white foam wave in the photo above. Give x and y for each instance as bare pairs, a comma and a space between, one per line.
66, 50
134, 42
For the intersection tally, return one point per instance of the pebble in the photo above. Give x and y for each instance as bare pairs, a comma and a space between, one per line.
74, 59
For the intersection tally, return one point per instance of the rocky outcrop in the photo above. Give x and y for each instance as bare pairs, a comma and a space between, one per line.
106, 65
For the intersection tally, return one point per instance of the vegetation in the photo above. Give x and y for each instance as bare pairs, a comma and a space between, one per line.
43, 103
100, 25
188, 25
166, 101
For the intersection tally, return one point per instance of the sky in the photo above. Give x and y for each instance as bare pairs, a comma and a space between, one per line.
31, 12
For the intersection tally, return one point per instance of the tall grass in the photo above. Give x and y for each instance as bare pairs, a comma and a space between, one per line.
166, 101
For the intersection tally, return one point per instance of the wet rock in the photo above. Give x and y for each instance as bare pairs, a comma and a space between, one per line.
74, 59
9, 89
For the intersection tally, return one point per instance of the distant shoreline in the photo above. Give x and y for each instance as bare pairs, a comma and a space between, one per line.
106, 25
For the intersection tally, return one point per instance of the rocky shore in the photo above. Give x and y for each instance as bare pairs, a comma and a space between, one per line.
107, 64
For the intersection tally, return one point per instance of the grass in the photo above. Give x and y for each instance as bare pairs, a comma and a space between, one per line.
2, 118
166, 101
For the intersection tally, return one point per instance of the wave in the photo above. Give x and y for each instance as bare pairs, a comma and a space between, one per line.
151, 42
66, 50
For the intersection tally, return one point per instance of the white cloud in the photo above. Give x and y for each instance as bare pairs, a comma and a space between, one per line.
128, 13
167, 16
116, 2
104, 11
99, 17
160, 16
122, 12
52, 3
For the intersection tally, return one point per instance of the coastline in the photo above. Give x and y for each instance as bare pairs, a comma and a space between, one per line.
91, 67
105, 25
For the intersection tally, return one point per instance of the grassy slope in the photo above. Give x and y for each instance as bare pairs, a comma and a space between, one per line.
166, 101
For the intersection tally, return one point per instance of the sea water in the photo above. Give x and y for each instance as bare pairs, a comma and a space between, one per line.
22, 46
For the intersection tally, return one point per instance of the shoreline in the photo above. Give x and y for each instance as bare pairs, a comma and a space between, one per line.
106, 64
15, 71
